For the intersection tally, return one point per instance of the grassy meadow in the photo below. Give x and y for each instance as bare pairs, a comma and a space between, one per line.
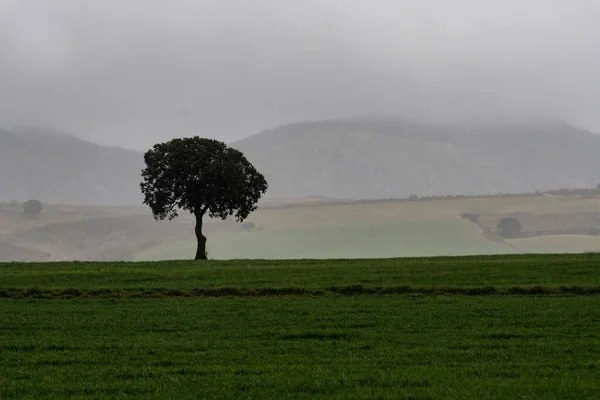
378, 230
305, 228
500, 272
504, 326
364, 347
369, 240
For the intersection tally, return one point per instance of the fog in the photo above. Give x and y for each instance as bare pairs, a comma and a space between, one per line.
353, 182
130, 73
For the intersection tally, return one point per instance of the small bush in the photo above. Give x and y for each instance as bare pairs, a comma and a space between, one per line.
509, 227
32, 207
470, 216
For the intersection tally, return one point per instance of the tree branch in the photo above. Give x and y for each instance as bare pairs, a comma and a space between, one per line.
201, 211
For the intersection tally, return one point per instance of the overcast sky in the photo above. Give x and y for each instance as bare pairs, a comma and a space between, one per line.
131, 73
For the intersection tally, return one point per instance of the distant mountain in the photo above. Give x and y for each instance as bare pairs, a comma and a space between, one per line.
357, 158
385, 156
58, 168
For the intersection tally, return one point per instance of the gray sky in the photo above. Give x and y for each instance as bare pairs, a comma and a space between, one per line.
131, 73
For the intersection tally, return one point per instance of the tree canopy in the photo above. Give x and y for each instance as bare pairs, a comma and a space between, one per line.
202, 176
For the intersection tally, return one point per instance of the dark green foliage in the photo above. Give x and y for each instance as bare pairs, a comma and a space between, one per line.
32, 207
202, 176
509, 227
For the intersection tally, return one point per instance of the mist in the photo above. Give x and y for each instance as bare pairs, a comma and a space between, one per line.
131, 73
384, 129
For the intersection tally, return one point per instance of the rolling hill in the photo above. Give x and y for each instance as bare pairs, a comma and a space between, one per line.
386, 157
356, 158
57, 168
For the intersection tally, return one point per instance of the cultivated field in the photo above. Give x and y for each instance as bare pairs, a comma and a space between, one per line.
309, 228
513, 326
558, 244
385, 229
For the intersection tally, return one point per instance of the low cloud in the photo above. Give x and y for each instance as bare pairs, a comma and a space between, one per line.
132, 72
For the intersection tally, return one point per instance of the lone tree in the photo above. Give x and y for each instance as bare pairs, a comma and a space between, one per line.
202, 176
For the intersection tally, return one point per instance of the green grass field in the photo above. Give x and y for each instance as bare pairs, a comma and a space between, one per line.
367, 347
500, 272
505, 326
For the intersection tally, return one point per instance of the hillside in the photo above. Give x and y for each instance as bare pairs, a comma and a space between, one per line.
385, 157
360, 158
403, 229
61, 169
91, 233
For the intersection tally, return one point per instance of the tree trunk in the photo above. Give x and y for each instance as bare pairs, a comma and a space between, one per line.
201, 250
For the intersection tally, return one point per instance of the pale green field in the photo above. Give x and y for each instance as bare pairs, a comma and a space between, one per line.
558, 244
376, 230
396, 239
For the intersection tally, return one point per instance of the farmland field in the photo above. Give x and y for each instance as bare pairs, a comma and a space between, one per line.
505, 326
500, 272
558, 244
365, 347
374, 230
304, 228
383, 240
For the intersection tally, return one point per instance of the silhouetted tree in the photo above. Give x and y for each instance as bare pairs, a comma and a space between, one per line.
598, 187
32, 207
509, 227
202, 176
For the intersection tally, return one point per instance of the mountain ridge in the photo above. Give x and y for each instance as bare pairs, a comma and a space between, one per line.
384, 158
365, 157
66, 170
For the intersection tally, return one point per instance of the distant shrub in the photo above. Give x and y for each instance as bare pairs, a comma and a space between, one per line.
32, 207
509, 227
470, 216
413, 197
